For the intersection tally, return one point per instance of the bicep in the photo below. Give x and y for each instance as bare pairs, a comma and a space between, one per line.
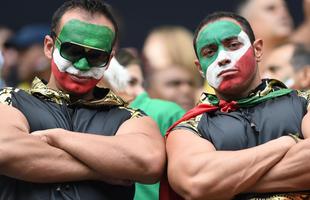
142, 125
12, 120
181, 145
184, 149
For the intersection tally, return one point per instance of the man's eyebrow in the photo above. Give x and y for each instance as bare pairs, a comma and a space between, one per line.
228, 39
211, 45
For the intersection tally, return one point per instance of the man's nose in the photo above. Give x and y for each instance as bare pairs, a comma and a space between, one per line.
224, 62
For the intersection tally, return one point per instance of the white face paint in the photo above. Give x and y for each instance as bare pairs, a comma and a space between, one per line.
215, 69
64, 65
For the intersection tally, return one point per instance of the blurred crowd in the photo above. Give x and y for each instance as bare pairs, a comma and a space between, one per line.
163, 75
165, 67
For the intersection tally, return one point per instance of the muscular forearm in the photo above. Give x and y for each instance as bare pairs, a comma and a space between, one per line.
222, 174
28, 158
121, 157
292, 173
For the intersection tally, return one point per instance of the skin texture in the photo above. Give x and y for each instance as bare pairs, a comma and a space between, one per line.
302, 78
156, 52
278, 65
271, 22
272, 15
224, 49
58, 155
228, 59
173, 84
32, 62
278, 165
135, 86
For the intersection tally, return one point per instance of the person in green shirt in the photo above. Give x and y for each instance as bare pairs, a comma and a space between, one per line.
163, 112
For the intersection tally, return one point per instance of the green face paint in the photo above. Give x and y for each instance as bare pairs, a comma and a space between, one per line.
87, 35
213, 34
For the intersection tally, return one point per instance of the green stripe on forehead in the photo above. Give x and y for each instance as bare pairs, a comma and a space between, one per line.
216, 32
87, 34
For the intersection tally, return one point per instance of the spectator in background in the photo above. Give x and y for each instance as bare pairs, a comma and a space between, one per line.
5, 33
28, 41
301, 64
173, 83
271, 22
278, 64
168, 46
290, 64
302, 33
165, 113
129, 58
116, 78
155, 107
10, 55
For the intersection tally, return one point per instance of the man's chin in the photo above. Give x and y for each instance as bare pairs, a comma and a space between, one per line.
76, 85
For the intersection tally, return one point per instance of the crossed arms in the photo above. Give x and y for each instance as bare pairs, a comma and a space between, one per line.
279, 165
135, 153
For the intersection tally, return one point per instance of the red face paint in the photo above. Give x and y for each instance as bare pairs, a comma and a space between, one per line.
246, 67
73, 84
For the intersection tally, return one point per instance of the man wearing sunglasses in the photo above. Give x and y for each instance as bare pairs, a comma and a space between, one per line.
69, 140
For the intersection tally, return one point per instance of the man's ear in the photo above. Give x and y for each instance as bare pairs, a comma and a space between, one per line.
304, 78
48, 46
197, 63
258, 49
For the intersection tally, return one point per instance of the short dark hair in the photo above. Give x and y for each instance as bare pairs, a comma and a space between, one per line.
219, 15
300, 57
91, 6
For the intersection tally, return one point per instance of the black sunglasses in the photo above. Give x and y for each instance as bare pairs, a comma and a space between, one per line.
74, 52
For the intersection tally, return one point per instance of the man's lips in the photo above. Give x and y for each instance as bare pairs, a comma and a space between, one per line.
227, 72
79, 79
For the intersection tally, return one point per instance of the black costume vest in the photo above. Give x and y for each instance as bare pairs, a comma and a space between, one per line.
251, 126
46, 109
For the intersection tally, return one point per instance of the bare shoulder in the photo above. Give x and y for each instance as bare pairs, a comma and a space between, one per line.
186, 141
143, 124
11, 116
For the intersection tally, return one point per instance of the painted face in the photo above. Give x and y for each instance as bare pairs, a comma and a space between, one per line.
225, 55
78, 46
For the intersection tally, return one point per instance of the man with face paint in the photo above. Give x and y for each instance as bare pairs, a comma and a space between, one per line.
69, 140
249, 141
